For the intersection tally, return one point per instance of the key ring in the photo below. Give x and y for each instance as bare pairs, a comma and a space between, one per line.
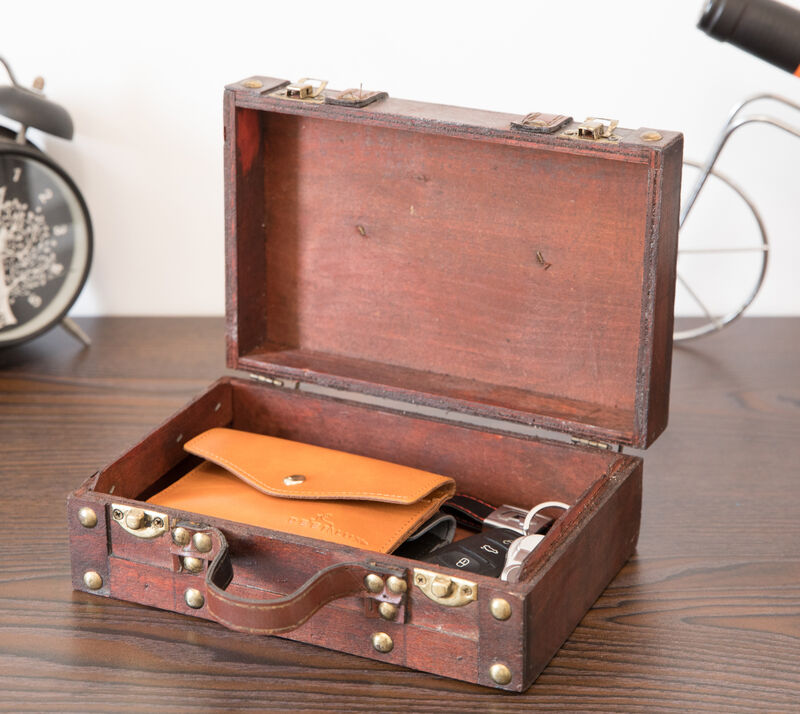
536, 509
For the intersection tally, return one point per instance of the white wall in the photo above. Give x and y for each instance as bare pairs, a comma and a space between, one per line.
144, 81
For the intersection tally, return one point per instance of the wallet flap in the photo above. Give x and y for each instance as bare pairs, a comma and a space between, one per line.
211, 490
290, 469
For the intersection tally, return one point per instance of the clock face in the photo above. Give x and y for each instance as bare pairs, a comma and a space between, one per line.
45, 243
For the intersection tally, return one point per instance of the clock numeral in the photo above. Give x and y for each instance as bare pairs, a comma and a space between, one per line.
45, 196
16, 175
59, 231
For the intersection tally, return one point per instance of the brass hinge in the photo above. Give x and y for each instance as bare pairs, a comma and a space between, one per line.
596, 444
266, 380
541, 123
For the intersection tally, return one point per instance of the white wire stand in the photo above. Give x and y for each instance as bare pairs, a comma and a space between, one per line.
711, 322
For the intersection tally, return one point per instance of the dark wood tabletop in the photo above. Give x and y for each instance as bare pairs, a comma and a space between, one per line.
705, 617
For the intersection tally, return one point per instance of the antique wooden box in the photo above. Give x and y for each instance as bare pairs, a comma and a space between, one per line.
473, 264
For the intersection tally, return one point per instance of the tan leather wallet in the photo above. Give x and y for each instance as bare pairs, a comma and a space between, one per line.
306, 490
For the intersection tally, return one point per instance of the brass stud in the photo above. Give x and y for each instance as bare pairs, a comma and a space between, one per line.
373, 583
202, 542
396, 585
500, 609
180, 536
87, 517
382, 642
387, 610
441, 587
92, 580
194, 598
294, 479
651, 136
500, 673
192, 565
253, 84
135, 519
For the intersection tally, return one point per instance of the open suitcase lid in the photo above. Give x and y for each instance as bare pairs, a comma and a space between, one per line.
441, 256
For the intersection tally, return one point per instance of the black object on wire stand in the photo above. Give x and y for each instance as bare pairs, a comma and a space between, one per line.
764, 28
769, 30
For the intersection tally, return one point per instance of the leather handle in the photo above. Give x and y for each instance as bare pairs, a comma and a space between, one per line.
273, 616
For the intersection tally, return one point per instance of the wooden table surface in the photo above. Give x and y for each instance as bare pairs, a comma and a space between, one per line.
706, 617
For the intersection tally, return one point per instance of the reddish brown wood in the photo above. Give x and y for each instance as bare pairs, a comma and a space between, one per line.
131, 474
433, 255
607, 534
243, 187
494, 465
660, 278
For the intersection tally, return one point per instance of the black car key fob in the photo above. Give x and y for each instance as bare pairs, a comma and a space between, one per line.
486, 553
483, 553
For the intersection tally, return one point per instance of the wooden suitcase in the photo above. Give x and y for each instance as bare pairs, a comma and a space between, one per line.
497, 272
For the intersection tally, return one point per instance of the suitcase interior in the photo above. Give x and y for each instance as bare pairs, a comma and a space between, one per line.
499, 467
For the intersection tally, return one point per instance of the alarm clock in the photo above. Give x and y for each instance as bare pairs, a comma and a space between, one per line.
45, 229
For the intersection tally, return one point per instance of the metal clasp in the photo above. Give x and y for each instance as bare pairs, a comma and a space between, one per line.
444, 589
139, 522
594, 129
306, 89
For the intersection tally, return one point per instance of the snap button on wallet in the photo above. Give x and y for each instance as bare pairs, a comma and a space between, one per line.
306, 490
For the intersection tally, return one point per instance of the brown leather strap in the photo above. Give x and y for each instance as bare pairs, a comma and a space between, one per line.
269, 617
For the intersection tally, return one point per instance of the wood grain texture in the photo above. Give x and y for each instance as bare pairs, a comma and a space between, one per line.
705, 617
497, 466
535, 272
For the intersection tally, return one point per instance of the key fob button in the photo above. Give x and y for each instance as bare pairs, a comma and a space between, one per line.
483, 553
461, 560
501, 539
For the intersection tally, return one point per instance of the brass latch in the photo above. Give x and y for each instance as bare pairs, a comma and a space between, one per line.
139, 522
444, 589
595, 129
303, 90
